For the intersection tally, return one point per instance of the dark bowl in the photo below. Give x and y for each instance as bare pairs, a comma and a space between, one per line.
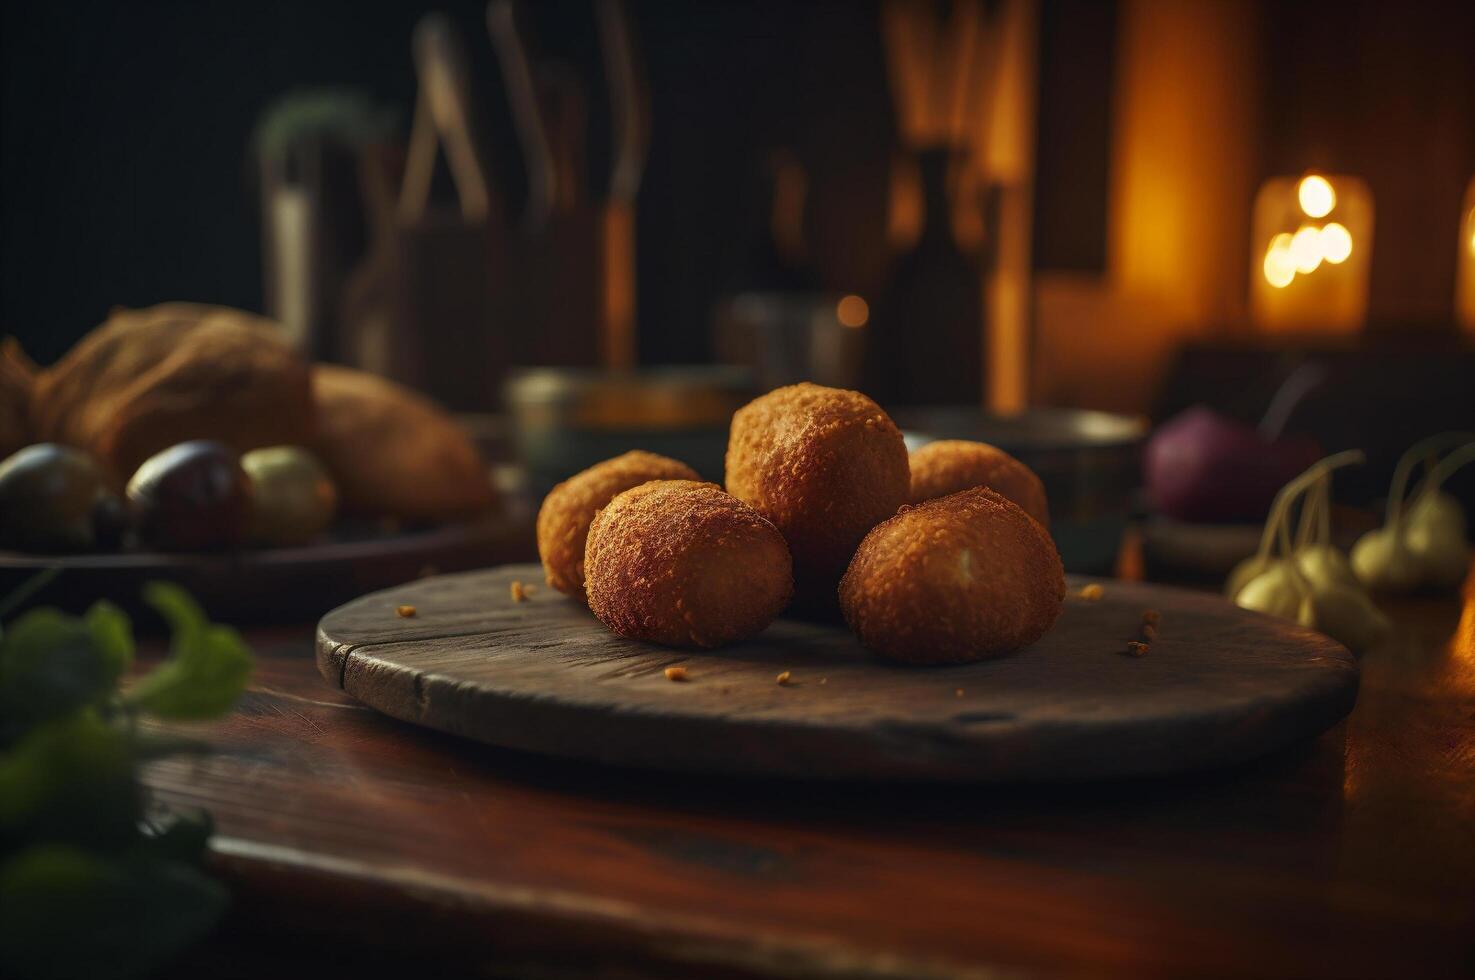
1090, 463
567, 419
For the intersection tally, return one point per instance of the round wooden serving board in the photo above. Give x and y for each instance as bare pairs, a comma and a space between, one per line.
1220, 685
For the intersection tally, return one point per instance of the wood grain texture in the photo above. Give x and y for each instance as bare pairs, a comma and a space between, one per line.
351, 840
1219, 686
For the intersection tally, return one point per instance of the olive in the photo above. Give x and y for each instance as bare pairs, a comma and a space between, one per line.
191, 497
50, 499
293, 498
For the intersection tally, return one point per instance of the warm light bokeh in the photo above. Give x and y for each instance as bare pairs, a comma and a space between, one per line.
1312, 275
1280, 267
1182, 162
1316, 196
1306, 249
1465, 263
852, 311
1336, 243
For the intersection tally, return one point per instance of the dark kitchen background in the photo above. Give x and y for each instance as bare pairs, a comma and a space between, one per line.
128, 177
1121, 164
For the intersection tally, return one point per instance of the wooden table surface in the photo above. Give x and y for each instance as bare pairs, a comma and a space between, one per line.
353, 841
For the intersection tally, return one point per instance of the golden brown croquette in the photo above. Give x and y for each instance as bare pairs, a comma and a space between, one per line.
684, 564
950, 465
563, 520
954, 580
825, 466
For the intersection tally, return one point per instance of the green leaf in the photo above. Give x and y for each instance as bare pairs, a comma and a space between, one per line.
203, 682
74, 914
71, 779
50, 664
208, 668
112, 635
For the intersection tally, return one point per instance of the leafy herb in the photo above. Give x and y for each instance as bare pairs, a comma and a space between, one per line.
94, 882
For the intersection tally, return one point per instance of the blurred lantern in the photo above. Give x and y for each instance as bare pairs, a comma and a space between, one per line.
1465, 264
1312, 238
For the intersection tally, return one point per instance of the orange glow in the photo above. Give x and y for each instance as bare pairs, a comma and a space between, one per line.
1465, 266
1306, 249
1316, 196
1330, 256
852, 311
1280, 268
1336, 243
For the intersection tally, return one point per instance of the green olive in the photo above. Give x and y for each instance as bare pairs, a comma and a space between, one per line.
54, 498
294, 498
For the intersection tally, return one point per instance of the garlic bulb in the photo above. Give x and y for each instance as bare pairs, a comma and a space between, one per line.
1383, 563
1314, 584
1434, 535
1324, 564
1422, 544
1347, 615
1442, 557
1273, 592
1437, 509
1246, 570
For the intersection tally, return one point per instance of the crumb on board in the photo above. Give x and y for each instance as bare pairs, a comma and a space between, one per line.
958, 693
824, 680
676, 673
1136, 648
520, 592
404, 612
1092, 592
783, 678
1151, 616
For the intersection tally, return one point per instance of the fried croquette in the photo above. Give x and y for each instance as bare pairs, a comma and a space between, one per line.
563, 520
683, 564
950, 465
825, 466
954, 580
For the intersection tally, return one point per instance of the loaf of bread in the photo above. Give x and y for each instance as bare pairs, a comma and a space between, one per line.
147, 379
395, 452
17, 376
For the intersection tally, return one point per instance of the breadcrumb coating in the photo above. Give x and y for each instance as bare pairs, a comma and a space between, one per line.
952, 465
825, 465
954, 580
563, 520
683, 564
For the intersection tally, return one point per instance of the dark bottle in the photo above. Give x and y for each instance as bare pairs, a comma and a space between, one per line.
926, 346
773, 258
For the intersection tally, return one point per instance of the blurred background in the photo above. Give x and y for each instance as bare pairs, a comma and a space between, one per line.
969, 210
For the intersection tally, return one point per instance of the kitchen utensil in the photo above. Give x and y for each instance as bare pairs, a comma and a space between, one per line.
1218, 686
630, 108
421, 308
443, 117
527, 114
309, 147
